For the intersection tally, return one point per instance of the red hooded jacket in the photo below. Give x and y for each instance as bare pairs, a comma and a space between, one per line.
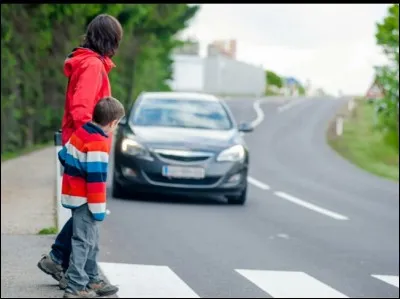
88, 82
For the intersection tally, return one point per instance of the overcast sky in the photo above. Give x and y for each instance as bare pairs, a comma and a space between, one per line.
333, 45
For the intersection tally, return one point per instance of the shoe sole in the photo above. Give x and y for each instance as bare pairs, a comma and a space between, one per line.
47, 272
109, 293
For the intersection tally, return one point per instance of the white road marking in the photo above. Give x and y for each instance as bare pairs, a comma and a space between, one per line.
390, 279
310, 206
290, 284
146, 281
259, 112
289, 105
257, 183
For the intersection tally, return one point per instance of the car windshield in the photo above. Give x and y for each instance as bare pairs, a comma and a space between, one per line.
195, 114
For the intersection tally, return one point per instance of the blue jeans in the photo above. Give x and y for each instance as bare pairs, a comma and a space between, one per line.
85, 243
62, 248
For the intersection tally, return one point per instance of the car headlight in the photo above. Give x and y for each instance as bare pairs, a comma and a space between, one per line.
132, 147
233, 154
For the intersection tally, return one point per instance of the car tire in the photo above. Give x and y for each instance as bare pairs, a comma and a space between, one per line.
238, 200
117, 190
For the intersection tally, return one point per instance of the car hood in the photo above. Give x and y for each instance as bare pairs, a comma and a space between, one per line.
186, 139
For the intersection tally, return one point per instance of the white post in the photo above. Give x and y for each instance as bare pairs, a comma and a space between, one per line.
350, 105
63, 214
339, 125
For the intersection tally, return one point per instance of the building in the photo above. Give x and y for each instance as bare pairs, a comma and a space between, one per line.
224, 47
191, 47
188, 73
217, 74
226, 76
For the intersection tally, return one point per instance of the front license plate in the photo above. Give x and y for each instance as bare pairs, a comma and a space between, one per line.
183, 172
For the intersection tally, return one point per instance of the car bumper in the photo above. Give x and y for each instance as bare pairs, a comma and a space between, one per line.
138, 175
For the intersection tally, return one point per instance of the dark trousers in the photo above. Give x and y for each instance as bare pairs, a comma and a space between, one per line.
62, 248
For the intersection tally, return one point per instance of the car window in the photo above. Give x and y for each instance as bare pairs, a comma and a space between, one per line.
196, 114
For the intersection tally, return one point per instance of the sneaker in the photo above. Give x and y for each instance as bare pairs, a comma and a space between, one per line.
80, 294
48, 266
103, 288
63, 283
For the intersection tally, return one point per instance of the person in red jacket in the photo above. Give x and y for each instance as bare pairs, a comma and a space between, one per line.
87, 72
87, 69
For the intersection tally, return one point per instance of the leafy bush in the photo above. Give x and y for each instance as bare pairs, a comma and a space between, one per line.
387, 36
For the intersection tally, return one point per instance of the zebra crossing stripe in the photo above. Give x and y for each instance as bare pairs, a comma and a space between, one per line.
390, 279
289, 284
151, 281
146, 281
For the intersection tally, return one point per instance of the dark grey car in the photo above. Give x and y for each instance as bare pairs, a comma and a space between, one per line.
181, 143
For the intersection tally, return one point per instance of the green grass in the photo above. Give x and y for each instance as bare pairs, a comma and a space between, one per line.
365, 146
12, 155
48, 231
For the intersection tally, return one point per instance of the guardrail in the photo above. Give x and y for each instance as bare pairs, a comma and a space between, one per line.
62, 214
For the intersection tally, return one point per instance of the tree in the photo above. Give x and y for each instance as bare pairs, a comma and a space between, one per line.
273, 79
387, 36
273, 83
36, 38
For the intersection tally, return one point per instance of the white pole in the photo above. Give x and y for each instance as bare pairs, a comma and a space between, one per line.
339, 126
350, 105
63, 214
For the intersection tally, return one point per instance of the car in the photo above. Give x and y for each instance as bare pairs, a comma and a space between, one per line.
178, 143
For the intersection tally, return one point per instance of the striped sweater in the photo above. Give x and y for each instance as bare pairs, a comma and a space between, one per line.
85, 160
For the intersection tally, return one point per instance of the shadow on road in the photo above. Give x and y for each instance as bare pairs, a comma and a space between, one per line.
169, 199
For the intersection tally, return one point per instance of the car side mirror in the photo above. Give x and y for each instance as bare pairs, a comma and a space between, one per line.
245, 127
122, 122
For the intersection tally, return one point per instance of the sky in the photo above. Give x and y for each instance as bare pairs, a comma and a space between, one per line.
332, 45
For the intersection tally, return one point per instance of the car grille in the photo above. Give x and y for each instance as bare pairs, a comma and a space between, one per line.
158, 178
182, 156
183, 159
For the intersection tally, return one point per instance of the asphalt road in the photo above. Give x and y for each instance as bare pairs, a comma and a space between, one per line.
314, 224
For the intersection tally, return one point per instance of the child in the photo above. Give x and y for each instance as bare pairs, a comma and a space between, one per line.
85, 160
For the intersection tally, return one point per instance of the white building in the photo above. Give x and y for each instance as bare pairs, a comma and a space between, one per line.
188, 73
217, 74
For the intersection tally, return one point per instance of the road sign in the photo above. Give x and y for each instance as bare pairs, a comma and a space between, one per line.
374, 92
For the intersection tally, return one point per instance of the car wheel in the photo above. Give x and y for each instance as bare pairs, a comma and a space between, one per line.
238, 200
117, 190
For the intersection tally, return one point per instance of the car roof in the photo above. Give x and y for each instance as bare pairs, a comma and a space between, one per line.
180, 96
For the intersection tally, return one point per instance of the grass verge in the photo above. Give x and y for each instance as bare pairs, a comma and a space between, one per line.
12, 155
48, 231
365, 146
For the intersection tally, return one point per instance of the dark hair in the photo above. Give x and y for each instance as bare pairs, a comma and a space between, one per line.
103, 35
107, 110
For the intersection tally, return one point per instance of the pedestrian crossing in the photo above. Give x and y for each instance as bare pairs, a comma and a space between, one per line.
153, 281
301, 284
390, 279
146, 281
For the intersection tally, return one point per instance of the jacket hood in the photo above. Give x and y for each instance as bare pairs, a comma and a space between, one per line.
78, 55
